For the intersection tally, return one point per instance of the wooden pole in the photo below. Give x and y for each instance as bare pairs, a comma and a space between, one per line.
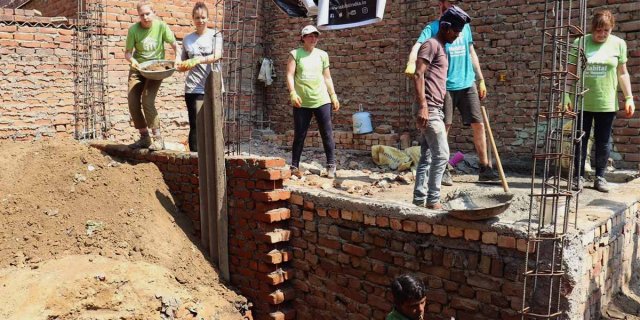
203, 129
505, 185
220, 185
212, 173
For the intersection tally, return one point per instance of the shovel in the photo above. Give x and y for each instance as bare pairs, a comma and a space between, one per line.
505, 185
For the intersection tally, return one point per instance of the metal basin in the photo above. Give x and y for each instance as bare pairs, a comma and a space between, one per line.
157, 69
467, 206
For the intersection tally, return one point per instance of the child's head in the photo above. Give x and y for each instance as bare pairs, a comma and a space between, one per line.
409, 296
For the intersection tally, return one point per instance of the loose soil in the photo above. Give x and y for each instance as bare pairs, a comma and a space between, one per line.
160, 66
84, 236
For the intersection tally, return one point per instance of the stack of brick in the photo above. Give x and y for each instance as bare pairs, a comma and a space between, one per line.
259, 235
343, 139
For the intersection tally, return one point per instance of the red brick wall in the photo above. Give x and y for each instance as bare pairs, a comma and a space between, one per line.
259, 252
317, 257
54, 8
345, 260
367, 65
611, 259
36, 82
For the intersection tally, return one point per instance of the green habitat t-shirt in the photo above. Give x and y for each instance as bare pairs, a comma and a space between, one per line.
149, 43
601, 74
308, 79
395, 315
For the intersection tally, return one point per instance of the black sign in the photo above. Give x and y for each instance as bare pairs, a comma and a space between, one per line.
351, 11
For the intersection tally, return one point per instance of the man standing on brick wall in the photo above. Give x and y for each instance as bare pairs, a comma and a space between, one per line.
430, 79
145, 42
464, 67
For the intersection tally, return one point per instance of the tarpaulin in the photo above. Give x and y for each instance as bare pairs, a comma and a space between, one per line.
293, 8
342, 14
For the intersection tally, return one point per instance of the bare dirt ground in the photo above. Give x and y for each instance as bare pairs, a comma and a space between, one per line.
85, 237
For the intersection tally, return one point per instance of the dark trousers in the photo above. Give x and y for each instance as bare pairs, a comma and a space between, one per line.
602, 126
301, 122
194, 103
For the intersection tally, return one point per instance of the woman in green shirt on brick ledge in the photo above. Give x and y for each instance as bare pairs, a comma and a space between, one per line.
606, 67
312, 94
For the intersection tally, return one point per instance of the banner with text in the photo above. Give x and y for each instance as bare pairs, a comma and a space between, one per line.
342, 14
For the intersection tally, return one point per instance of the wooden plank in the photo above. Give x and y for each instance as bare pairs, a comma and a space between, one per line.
209, 133
201, 125
220, 185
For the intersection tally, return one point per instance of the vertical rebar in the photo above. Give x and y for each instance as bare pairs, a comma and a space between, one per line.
89, 65
555, 147
239, 25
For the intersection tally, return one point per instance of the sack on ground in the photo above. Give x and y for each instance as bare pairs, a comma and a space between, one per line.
390, 156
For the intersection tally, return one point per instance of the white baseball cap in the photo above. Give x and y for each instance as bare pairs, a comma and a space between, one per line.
309, 30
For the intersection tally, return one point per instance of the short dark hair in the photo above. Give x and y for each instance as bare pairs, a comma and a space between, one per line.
199, 5
407, 287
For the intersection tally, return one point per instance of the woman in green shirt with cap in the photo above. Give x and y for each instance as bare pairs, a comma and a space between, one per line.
312, 94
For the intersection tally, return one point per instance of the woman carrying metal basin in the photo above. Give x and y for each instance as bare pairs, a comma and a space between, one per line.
145, 42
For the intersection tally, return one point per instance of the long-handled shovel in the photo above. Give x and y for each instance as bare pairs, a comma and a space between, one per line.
505, 185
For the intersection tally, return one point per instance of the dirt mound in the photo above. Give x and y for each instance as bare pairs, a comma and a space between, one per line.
122, 250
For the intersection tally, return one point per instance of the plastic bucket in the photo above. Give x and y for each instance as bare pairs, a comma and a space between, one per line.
362, 123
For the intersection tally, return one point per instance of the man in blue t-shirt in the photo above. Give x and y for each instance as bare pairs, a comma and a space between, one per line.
464, 68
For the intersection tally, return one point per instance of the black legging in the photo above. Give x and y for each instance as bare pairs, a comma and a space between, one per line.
301, 122
602, 126
194, 103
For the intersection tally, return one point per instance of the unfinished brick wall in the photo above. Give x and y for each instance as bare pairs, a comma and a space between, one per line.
259, 251
36, 76
367, 65
298, 254
611, 258
346, 253
54, 8
345, 261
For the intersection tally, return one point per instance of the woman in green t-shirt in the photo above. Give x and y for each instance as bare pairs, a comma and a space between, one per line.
606, 68
312, 94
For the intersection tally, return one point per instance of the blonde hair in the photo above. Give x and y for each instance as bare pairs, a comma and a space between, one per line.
603, 19
144, 4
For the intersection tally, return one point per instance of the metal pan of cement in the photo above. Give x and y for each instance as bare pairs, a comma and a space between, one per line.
157, 69
466, 206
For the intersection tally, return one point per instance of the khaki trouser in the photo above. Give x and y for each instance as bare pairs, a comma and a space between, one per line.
142, 98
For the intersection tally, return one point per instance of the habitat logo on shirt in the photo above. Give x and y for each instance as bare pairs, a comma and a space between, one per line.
149, 44
596, 70
458, 48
